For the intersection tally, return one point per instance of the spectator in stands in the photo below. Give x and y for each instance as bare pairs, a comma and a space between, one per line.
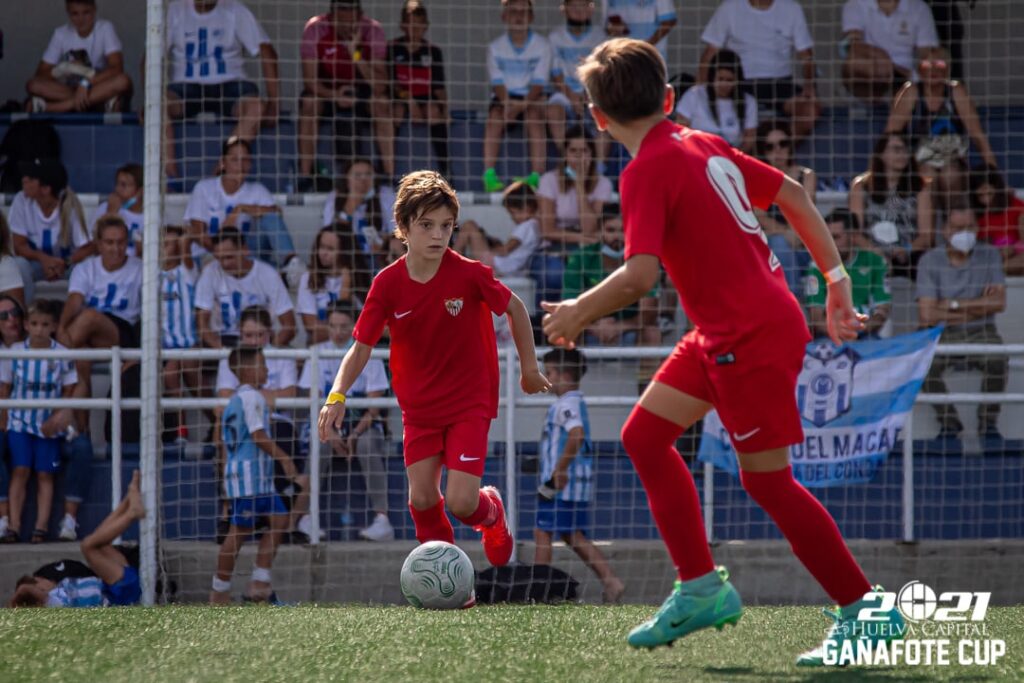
178, 278
108, 580
364, 434
35, 435
511, 257
205, 39
882, 40
766, 34
331, 277
12, 331
344, 77
363, 204
869, 278
950, 27
723, 105
519, 66
1000, 216
569, 45
417, 80
962, 285
11, 284
650, 20
232, 200
126, 202
48, 224
232, 283
82, 68
571, 198
592, 263
775, 147
893, 205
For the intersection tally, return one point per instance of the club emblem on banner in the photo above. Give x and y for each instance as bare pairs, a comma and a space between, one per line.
825, 386
453, 306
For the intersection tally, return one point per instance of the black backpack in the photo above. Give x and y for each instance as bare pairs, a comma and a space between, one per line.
525, 583
25, 140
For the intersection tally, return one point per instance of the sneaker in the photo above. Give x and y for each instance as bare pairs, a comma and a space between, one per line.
685, 612
533, 180
848, 627
379, 530
292, 271
305, 527
68, 529
492, 183
498, 542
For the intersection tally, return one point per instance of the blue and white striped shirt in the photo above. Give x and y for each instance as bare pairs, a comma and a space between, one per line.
32, 378
568, 412
82, 592
177, 301
248, 470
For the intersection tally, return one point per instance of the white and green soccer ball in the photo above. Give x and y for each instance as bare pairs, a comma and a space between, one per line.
438, 575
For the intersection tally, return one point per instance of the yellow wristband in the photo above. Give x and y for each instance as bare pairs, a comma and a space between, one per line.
357, 56
334, 398
837, 274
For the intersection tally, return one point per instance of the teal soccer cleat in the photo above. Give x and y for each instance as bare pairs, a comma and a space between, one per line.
687, 610
848, 627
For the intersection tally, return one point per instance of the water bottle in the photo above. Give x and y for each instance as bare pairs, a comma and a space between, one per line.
547, 490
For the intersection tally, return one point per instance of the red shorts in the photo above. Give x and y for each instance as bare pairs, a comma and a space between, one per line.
461, 445
753, 387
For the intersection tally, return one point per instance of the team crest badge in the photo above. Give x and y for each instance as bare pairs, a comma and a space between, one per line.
453, 306
825, 386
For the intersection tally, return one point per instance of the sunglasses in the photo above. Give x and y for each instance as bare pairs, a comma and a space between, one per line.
933, 64
781, 144
7, 315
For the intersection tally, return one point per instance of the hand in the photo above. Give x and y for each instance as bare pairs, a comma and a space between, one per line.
513, 108
53, 267
81, 98
350, 442
345, 97
113, 202
330, 420
533, 381
844, 322
560, 478
562, 323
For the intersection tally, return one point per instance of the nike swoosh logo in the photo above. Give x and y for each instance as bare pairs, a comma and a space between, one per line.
744, 437
463, 458
719, 603
399, 316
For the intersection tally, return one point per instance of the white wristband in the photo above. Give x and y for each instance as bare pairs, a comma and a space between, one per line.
220, 585
260, 574
837, 274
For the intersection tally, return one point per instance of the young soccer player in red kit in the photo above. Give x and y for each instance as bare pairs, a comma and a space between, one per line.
687, 200
444, 364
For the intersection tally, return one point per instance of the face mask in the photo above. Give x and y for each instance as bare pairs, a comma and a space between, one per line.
611, 253
573, 23
963, 241
129, 204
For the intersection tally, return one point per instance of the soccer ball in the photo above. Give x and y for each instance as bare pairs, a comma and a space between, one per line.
438, 575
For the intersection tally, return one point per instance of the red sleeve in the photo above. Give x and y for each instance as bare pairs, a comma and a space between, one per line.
645, 209
492, 290
374, 315
763, 181
311, 37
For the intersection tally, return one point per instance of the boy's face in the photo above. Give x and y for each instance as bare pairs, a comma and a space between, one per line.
171, 245
339, 328
517, 15
520, 214
579, 11
560, 380
253, 333
82, 17
428, 235
254, 374
125, 187
840, 236
113, 245
415, 28
10, 321
611, 232
41, 326
229, 255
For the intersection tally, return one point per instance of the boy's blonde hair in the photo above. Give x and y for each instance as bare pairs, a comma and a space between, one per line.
625, 79
418, 193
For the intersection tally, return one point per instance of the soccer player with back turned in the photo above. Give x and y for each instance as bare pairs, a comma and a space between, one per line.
688, 200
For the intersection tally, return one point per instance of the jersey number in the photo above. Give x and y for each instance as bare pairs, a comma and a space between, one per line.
728, 182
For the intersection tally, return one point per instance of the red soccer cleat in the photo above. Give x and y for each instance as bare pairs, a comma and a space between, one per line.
498, 542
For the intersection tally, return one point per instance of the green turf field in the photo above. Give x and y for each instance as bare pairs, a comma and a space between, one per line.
568, 644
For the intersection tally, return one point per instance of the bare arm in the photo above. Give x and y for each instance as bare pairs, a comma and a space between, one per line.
934, 311
267, 445
664, 28
573, 443
312, 83
72, 307
925, 221
705, 60
531, 378
286, 331
806, 58
271, 80
902, 109
209, 337
969, 114
549, 226
115, 67
351, 366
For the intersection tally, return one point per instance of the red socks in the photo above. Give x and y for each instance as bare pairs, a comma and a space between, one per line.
485, 514
671, 492
432, 524
811, 532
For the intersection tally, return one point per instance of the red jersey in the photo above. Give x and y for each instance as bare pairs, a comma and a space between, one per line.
688, 199
331, 54
444, 358
1002, 229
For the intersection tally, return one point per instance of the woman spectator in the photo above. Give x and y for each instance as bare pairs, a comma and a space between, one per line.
893, 205
126, 202
571, 198
722, 106
365, 205
1000, 216
232, 200
775, 147
337, 271
11, 284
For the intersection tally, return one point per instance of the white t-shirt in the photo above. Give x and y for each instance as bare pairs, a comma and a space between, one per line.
309, 302
210, 204
280, 374
261, 286
67, 46
131, 219
373, 377
643, 17
117, 293
365, 232
909, 27
207, 48
567, 206
10, 274
518, 69
695, 107
568, 50
515, 262
765, 39
43, 232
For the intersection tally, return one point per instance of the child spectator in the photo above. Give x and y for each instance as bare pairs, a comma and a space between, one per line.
82, 68
722, 106
519, 65
11, 284
205, 39
569, 45
232, 283
178, 278
648, 20
1000, 216
417, 80
363, 434
12, 331
249, 479
126, 202
331, 277
567, 471
511, 257
35, 435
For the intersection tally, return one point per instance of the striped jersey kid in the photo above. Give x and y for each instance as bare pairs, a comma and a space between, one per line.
34, 379
568, 412
248, 470
178, 299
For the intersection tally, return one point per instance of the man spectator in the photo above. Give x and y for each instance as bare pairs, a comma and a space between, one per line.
345, 77
206, 39
766, 34
963, 285
570, 44
650, 20
869, 274
83, 66
885, 39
